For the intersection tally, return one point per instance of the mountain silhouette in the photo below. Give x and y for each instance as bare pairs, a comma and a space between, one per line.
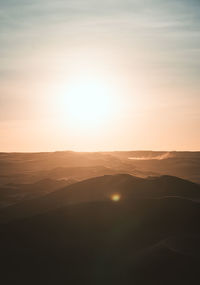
13, 193
79, 235
101, 189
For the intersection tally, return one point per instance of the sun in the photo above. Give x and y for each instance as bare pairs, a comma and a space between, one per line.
89, 103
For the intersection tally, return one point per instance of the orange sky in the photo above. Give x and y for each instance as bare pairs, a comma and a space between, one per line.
108, 75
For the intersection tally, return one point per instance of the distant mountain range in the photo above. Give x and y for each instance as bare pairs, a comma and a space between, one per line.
31, 167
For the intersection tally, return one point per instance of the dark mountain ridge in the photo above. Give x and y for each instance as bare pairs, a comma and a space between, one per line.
102, 189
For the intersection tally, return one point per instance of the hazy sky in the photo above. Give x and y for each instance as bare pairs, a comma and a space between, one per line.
147, 52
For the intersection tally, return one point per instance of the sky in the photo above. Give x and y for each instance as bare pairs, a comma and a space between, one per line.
139, 59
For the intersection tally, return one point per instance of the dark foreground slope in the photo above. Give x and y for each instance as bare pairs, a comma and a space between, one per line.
151, 236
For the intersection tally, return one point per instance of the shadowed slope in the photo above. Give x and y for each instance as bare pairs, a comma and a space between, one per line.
129, 242
12, 193
101, 189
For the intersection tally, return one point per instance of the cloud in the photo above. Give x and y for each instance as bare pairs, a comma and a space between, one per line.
159, 157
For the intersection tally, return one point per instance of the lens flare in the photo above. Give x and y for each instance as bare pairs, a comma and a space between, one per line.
116, 197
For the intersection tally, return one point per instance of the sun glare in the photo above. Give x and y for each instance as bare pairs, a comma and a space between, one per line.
88, 103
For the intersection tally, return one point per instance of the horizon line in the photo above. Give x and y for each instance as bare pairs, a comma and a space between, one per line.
101, 151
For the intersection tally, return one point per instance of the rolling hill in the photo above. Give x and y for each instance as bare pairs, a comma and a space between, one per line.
79, 235
101, 189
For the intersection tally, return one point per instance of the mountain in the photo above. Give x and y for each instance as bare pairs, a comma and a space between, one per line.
182, 164
101, 189
79, 235
13, 193
129, 242
31, 167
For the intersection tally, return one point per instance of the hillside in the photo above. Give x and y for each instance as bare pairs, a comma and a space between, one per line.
132, 241
101, 189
